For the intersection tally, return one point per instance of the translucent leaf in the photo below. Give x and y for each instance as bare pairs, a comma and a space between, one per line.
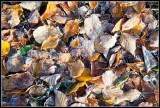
92, 26
5, 47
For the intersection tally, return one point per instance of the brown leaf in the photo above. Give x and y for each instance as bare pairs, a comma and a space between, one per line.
117, 11
73, 5
118, 26
93, 4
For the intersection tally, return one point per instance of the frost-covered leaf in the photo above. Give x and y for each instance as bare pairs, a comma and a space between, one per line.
87, 47
154, 37
92, 26
128, 42
49, 101
82, 10
149, 59
76, 69
60, 99
30, 5
34, 18
65, 57
78, 105
108, 77
52, 80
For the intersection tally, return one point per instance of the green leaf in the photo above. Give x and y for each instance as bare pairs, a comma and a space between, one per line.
155, 68
36, 43
123, 77
24, 50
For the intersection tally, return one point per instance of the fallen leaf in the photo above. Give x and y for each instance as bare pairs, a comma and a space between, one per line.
82, 10
30, 5
78, 105
36, 69
73, 5
71, 28
97, 46
75, 42
132, 22
93, 4
154, 39
128, 42
85, 76
49, 101
145, 104
60, 99
6, 83
5, 48
118, 26
77, 69
92, 26
108, 77
51, 80
75, 86
60, 19
117, 11
65, 57
96, 56
140, 6
34, 18
50, 42
149, 59
65, 8
24, 50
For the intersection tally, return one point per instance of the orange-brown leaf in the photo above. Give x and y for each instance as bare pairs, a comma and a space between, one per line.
93, 4
73, 5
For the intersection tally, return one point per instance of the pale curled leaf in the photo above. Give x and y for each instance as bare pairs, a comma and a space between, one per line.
92, 26
149, 59
60, 99
52, 80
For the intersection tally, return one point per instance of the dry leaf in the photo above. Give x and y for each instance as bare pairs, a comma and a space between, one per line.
154, 37
30, 5
77, 69
149, 59
128, 42
93, 4
37, 91
97, 46
15, 63
50, 42
75, 42
108, 77
71, 28
34, 18
145, 104
85, 76
75, 86
132, 22
52, 79
138, 28
60, 99
82, 10
5, 48
117, 11
112, 59
65, 8
87, 47
140, 6
78, 105
60, 19
127, 3
96, 56
118, 26
92, 26
65, 57
4, 22
6, 83
73, 5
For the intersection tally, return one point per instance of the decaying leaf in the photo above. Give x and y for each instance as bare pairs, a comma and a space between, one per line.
77, 68
71, 28
149, 59
52, 80
117, 11
37, 91
34, 18
60, 99
30, 5
128, 42
60, 19
97, 46
5, 47
92, 26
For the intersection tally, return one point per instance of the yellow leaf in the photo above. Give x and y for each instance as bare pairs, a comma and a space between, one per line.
117, 11
96, 56
51, 42
65, 57
71, 28
118, 26
93, 4
85, 76
138, 28
75, 43
36, 69
109, 101
73, 5
140, 6
77, 68
117, 58
50, 10
74, 87
5, 47
15, 11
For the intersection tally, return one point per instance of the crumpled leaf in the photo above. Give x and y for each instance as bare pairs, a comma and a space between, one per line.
5, 47
73, 5
87, 47
75, 86
108, 77
117, 11
13, 13
52, 79
50, 42
65, 57
71, 28
149, 59
30, 5
132, 22
92, 26
128, 42
60, 99
15, 63
76, 69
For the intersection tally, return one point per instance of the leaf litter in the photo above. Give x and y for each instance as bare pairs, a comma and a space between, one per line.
85, 54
